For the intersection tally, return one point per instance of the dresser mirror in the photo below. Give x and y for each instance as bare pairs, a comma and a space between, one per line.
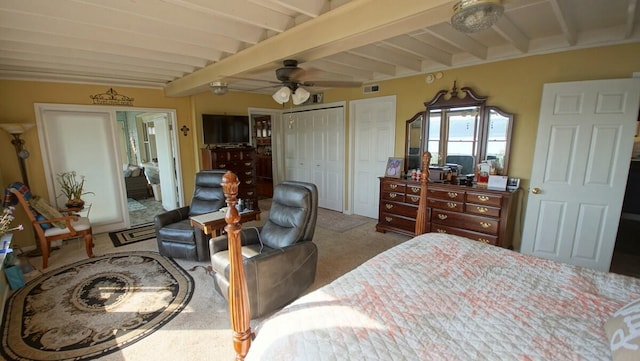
459, 127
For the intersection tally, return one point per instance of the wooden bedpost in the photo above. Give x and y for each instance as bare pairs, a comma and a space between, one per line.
239, 311
422, 217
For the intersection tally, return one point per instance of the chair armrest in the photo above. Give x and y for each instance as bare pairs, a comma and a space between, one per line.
274, 265
247, 236
66, 219
172, 216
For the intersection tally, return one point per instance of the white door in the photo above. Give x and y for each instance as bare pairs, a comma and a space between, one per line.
373, 124
93, 155
581, 161
315, 152
166, 162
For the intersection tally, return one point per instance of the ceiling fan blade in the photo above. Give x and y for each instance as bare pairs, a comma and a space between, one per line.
333, 83
251, 79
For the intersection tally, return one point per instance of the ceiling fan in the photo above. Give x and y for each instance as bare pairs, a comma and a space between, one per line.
292, 81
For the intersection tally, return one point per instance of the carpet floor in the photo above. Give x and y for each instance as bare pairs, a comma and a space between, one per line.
202, 330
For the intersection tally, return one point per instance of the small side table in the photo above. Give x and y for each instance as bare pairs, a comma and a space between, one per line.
213, 223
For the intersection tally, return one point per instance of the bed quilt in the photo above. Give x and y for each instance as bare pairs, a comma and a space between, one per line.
443, 297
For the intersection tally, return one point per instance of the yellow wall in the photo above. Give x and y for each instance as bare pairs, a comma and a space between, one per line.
514, 85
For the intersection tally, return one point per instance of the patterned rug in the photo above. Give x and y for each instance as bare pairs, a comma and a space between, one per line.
134, 205
132, 235
94, 307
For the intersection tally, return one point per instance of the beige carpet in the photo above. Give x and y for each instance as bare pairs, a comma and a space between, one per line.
202, 331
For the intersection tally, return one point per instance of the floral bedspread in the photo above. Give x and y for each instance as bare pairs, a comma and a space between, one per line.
442, 297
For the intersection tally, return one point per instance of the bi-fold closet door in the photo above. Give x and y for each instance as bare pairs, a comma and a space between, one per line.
314, 149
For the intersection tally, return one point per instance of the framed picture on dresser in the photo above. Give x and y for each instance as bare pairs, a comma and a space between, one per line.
394, 167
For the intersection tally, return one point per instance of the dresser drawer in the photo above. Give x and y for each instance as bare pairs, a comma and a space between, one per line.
484, 199
393, 187
448, 205
396, 221
446, 195
393, 196
399, 209
480, 237
466, 221
412, 199
482, 210
413, 190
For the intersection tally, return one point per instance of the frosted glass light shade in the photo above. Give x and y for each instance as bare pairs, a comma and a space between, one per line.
282, 95
300, 96
16, 128
471, 16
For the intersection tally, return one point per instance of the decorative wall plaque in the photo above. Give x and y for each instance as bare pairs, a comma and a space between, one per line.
111, 97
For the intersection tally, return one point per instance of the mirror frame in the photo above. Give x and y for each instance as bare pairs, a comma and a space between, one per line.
468, 99
419, 116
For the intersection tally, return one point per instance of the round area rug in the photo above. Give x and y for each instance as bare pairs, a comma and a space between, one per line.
94, 307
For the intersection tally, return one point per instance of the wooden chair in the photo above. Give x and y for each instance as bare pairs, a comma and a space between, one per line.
76, 227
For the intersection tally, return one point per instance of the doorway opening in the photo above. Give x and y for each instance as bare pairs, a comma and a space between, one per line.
149, 156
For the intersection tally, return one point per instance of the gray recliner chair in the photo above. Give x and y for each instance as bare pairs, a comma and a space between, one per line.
279, 258
175, 235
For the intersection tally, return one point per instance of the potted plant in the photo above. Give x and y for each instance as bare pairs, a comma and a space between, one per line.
72, 188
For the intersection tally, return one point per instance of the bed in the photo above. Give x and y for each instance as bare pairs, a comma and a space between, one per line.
444, 297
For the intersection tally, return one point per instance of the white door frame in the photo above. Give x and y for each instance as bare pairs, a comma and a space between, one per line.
40, 108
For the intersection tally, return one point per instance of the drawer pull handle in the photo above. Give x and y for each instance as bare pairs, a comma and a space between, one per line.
415, 189
485, 224
247, 163
249, 193
249, 182
393, 186
483, 240
441, 230
247, 173
483, 198
414, 198
452, 194
388, 219
442, 216
223, 165
389, 206
392, 195
451, 205
482, 209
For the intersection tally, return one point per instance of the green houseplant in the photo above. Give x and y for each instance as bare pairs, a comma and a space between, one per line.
72, 188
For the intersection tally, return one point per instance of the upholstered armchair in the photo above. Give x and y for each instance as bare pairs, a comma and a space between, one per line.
174, 233
279, 258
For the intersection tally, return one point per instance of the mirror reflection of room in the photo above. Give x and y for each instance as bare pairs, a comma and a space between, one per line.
140, 166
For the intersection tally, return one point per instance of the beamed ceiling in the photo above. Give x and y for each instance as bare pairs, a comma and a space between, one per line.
182, 45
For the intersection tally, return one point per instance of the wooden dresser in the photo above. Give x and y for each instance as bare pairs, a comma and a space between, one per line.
480, 214
241, 161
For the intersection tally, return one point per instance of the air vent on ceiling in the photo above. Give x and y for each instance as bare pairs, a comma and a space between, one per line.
371, 89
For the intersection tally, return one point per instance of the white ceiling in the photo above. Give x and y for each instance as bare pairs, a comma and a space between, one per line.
182, 45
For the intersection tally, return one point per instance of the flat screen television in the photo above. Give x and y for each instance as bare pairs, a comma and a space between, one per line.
222, 129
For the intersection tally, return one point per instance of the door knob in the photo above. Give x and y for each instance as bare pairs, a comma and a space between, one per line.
536, 190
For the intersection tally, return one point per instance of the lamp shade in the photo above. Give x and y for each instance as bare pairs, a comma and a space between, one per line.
300, 96
282, 95
470, 16
16, 128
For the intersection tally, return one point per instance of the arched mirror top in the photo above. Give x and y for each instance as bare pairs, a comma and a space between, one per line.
459, 128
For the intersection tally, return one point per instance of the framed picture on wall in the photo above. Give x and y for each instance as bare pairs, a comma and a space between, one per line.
394, 167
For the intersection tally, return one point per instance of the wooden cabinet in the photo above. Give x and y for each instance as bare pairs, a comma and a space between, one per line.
480, 214
241, 161
264, 172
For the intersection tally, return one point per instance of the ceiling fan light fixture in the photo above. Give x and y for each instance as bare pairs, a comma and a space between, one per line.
300, 96
470, 16
282, 95
219, 87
